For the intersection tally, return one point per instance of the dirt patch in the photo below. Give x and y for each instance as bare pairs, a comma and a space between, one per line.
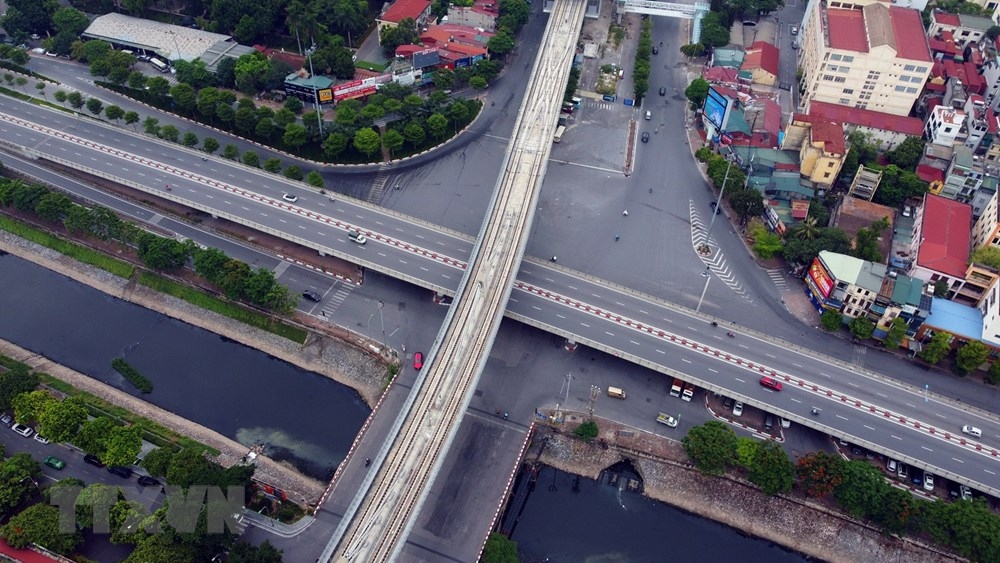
793, 521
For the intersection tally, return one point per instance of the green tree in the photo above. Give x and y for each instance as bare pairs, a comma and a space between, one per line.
392, 141
95, 498
161, 253
265, 128
131, 118
18, 480
293, 173
60, 96
157, 462
404, 33
831, 320
189, 140
908, 154
185, 97
114, 113
207, 100
771, 469
711, 446
249, 72
59, 421
231, 152
714, 31
39, 525
22, 82
93, 435
76, 100
500, 549
693, 51
293, 105
28, 406
971, 356
195, 73
861, 490
941, 288
246, 121
314, 179
136, 80
13, 382
157, 87
335, 144
209, 145
367, 141
95, 106
122, 446
53, 207
170, 133
151, 126
283, 117
250, 158
861, 328
272, 165
414, 134
746, 203
40, 86
994, 374
295, 136
70, 20
587, 430
225, 113
895, 334
437, 125
935, 350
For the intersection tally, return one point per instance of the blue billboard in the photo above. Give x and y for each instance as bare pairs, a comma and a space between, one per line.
716, 108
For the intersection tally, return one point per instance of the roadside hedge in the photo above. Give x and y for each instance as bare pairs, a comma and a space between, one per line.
132, 375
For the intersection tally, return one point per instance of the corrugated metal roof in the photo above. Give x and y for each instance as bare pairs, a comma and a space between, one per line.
170, 41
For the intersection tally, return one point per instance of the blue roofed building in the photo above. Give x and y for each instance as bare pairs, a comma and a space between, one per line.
964, 323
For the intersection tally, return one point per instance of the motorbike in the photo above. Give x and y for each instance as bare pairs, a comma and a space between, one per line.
730, 335
553, 259
815, 411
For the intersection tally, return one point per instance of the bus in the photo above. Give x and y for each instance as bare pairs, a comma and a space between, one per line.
160, 65
559, 133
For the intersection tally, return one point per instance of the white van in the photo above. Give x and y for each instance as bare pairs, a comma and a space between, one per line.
649, 115
616, 392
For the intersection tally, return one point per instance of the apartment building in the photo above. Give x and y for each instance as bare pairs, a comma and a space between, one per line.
943, 238
863, 54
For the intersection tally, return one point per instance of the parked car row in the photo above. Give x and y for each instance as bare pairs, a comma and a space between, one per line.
57, 463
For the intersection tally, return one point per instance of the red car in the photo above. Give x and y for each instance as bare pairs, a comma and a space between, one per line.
418, 360
770, 383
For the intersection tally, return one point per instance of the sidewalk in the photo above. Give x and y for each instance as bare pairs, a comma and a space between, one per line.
272, 526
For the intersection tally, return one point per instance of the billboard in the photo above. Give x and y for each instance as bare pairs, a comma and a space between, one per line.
426, 58
325, 95
817, 273
716, 109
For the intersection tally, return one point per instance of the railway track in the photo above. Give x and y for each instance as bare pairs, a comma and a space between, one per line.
384, 511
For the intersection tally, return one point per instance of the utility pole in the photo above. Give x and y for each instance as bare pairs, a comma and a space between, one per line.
565, 389
319, 111
595, 392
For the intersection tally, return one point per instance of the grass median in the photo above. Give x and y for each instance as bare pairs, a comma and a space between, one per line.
75, 251
225, 308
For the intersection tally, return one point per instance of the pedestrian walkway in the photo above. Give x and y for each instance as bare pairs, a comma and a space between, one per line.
272, 526
778, 278
333, 302
714, 260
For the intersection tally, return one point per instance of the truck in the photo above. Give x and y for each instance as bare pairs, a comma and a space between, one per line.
664, 418
688, 391
675, 389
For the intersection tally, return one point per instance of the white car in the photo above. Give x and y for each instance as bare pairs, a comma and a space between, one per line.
965, 492
928, 482
290, 197
972, 431
794, 30
41, 439
785, 423
738, 409
23, 429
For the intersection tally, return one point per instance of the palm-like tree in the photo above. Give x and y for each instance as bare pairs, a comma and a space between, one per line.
806, 230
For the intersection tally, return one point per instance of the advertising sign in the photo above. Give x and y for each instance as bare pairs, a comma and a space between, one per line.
819, 277
716, 108
325, 95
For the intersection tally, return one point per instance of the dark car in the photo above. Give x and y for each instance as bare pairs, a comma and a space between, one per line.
93, 460
645, 136
663, 91
121, 471
656, 50
718, 208
6, 420
147, 481
312, 295
418, 360
728, 403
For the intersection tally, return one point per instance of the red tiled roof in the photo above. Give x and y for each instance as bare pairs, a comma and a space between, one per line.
967, 72
947, 47
408, 50
908, 27
720, 74
945, 18
403, 9
453, 33
847, 30
786, 166
992, 121
929, 173
946, 236
831, 134
867, 118
976, 58
761, 55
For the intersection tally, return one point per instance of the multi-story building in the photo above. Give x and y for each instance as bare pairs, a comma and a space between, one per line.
416, 10
884, 130
943, 240
864, 54
843, 283
944, 125
821, 145
986, 230
964, 28
482, 14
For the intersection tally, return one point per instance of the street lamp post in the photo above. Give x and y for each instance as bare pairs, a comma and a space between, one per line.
319, 112
708, 278
381, 322
715, 212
